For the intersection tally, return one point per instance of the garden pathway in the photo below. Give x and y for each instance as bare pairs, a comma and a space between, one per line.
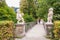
36, 33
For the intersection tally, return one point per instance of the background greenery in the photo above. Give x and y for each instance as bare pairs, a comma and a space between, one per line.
28, 18
6, 13
28, 7
39, 8
34, 8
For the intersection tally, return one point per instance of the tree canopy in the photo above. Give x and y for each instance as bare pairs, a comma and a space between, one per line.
28, 7
39, 8
6, 13
44, 5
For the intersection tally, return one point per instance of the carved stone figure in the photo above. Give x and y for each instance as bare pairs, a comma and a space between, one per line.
50, 15
19, 17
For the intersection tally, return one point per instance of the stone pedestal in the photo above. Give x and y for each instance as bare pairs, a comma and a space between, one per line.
49, 28
20, 30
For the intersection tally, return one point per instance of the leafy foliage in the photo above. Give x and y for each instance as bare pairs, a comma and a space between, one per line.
24, 6
6, 30
56, 11
42, 9
56, 5
28, 7
28, 18
6, 13
57, 30
44, 5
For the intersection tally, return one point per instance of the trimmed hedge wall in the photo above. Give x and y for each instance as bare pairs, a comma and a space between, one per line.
57, 30
6, 30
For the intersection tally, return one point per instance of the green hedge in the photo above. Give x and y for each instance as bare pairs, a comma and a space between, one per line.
29, 18
6, 30
56, 30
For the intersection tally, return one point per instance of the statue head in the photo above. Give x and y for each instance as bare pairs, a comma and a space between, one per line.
18, 11
50, 9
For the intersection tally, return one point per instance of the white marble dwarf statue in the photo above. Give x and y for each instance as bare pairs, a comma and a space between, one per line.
19, 17
50, 15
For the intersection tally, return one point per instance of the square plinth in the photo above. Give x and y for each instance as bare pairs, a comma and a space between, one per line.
19, 30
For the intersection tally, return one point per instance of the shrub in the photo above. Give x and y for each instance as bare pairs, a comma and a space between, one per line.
7, 13
57, 29
6, 30
28, 18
